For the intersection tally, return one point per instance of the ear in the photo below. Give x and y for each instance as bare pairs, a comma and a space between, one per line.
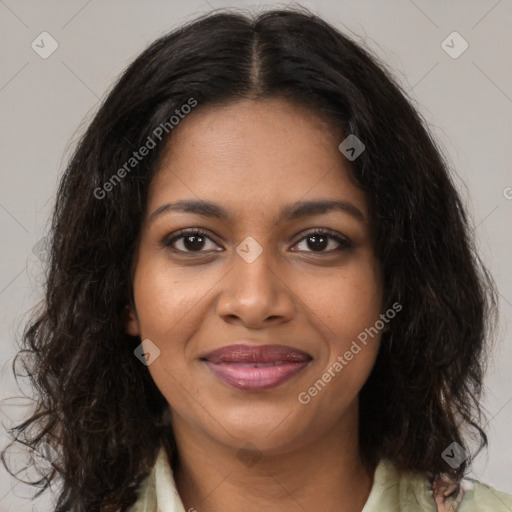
131, 322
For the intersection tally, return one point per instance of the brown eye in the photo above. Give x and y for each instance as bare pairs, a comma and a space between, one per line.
320, 240
189, 241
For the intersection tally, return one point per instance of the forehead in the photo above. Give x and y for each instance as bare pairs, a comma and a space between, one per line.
253, 152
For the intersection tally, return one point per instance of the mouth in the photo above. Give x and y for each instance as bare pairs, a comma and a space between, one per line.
256, 368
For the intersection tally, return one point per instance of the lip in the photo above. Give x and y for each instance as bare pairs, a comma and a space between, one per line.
256, 367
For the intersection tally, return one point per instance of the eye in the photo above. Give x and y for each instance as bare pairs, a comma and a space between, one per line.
196, 241
191, 240
320, 239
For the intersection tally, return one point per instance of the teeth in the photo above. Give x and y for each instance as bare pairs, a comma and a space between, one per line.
260, 365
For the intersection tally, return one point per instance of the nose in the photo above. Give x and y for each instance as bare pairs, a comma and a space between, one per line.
254, 294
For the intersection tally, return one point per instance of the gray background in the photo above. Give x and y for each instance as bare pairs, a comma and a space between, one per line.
466, 100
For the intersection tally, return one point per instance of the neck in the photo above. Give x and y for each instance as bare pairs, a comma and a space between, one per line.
327, 474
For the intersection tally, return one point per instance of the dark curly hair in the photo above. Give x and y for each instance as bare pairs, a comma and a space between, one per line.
94, 396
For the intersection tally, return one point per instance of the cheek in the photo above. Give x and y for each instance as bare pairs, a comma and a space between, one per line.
166, 303
347, 307
346, 301
347, 313
166, 298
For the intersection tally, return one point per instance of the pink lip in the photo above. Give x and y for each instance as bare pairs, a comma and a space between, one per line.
255, 368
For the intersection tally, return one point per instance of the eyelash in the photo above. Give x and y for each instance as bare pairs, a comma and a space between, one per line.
183, 233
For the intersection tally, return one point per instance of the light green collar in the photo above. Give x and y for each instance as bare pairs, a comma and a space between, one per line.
391, 491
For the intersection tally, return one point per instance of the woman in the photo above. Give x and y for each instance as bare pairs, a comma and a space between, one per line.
263, 293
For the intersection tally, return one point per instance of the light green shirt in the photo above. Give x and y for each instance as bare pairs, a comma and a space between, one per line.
392, 491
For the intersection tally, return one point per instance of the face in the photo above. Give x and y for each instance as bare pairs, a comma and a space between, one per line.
269, 298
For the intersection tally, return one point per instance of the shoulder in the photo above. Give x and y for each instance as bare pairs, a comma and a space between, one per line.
479, 497
474, 496
412, 492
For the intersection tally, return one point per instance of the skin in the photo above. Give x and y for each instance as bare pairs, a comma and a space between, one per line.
259, 450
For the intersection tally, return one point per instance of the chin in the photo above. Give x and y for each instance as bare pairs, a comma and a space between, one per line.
271, 434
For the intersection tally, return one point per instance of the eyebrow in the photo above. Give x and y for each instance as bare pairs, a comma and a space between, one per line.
289, 212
